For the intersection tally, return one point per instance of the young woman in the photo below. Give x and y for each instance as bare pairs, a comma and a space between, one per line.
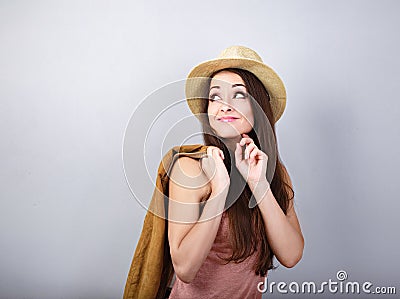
226, 248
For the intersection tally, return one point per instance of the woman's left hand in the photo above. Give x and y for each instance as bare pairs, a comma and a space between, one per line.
254, 165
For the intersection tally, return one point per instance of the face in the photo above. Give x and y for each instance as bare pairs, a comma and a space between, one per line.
229, 108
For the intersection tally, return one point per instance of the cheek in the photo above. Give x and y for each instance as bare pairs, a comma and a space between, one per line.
251, 118
212, 110
208, 109
247, 113
210, 113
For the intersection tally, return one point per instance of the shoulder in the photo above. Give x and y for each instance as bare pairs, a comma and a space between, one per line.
188, 176
186, 165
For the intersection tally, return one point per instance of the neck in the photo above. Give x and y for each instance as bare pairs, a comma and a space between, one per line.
231, 142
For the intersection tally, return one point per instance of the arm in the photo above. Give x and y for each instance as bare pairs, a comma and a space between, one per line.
191, 242
283, 231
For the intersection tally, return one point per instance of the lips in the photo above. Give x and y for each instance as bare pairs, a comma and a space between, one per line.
227, 118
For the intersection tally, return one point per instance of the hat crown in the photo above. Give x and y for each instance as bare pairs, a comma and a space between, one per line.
240, 52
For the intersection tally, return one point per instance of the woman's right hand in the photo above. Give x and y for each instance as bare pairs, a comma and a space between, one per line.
215, 170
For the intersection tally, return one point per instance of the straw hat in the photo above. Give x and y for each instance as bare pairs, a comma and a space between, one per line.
236, 57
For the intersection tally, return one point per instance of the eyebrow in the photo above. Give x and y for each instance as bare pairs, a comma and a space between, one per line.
233, 86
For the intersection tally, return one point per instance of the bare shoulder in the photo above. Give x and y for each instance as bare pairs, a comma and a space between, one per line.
187, 176
188, 166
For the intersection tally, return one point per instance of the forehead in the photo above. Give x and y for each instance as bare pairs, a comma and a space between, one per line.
226, 77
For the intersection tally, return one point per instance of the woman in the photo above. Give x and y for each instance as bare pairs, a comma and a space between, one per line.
226, 248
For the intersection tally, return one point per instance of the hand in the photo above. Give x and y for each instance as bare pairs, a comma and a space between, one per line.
214, 168
254, 165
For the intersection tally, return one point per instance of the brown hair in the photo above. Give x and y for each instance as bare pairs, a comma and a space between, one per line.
245, 235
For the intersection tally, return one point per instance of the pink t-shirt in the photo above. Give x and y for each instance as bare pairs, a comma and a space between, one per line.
215, 280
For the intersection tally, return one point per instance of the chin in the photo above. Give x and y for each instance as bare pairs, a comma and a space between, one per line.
231, 132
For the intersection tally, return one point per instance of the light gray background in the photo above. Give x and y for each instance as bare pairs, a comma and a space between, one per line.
72, 72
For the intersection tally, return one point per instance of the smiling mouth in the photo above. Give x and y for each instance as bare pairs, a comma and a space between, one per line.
227, 119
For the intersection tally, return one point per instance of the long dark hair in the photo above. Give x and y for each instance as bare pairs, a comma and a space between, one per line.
245, 235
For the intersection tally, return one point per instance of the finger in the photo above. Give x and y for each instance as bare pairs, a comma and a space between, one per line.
254, 153
222, 154
245, 135
238, 153
214, 154
249, 149
209, 162
245, 140
209, 151
262, 155
217, 154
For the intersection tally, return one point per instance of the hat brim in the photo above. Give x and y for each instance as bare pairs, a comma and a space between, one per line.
268, 77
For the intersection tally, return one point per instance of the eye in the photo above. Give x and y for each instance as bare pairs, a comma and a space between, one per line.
240, 95
214, 97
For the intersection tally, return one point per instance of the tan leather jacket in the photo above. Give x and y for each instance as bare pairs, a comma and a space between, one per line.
151, 269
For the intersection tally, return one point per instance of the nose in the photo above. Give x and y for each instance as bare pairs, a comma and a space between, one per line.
225, 108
